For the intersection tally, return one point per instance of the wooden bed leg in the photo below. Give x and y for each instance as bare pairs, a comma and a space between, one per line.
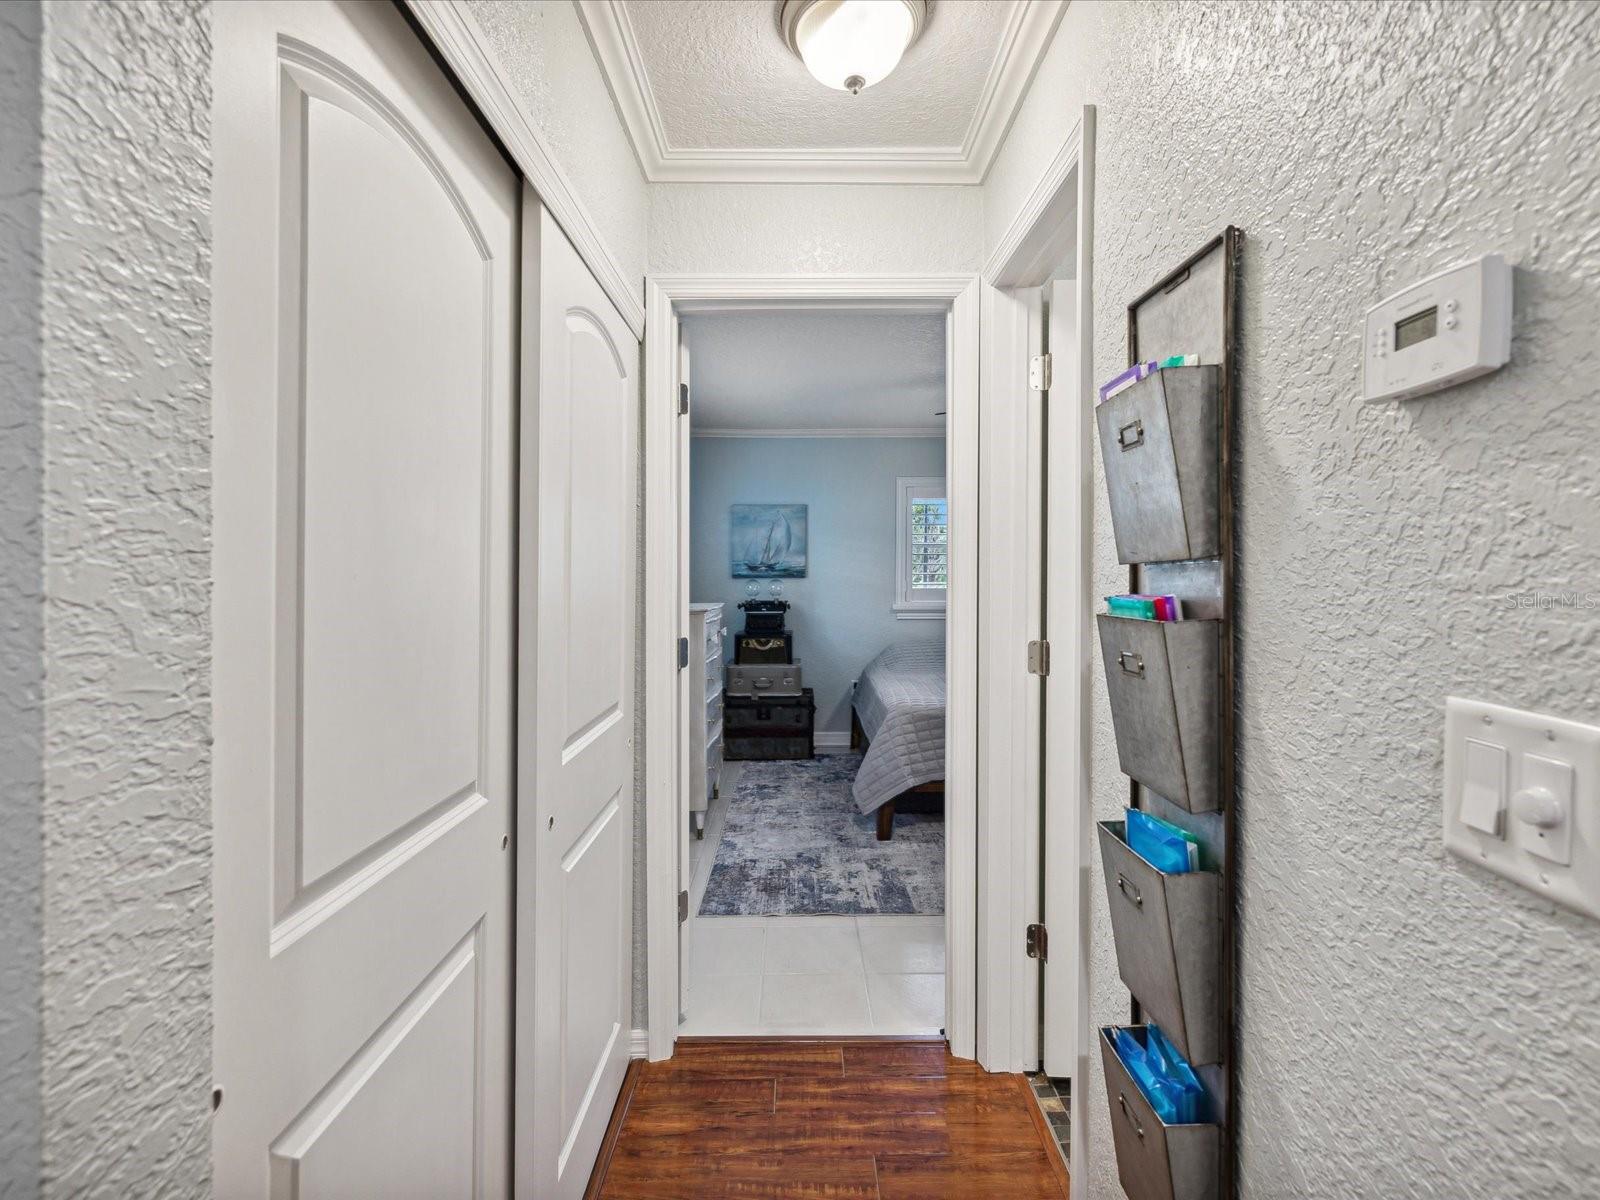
886, 821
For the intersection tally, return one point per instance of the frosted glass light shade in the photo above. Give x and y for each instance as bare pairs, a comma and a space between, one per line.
851, 44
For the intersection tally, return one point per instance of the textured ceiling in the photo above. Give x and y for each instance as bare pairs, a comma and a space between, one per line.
722, 78
800, 370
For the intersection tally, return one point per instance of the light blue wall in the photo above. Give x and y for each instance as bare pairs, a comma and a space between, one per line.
844, 608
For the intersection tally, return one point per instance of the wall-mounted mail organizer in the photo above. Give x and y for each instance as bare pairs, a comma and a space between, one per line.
1166, 447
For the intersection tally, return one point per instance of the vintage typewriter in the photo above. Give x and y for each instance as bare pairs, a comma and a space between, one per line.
764, 616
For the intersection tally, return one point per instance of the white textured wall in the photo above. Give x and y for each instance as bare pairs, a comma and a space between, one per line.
1408, 1025
542, 47
754, 228
21, 614
127, 797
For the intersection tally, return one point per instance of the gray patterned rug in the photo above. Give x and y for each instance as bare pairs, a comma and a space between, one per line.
794, 844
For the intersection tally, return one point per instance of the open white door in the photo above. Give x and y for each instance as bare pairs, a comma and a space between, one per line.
365, 305
574, 713
686, 741
1067, 628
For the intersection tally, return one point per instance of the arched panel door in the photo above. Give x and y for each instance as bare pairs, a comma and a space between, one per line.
367, 259
575, 714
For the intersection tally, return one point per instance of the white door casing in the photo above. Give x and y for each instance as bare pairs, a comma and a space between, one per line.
364, 306
1053, 233
574, 713
666, 611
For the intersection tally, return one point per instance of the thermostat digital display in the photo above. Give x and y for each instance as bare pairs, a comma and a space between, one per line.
1443, 330
1417, 328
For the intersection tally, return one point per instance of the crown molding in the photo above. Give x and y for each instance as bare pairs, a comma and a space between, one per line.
899, 431
454, 32
1027, 32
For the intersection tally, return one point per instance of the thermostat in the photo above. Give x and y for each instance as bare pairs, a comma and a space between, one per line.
1448, 328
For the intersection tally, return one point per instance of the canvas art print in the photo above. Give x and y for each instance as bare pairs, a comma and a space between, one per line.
767, 541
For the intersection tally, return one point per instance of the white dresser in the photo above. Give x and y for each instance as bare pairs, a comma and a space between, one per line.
707, 635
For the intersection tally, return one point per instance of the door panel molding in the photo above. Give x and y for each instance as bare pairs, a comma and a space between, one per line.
362, 927
291, 1148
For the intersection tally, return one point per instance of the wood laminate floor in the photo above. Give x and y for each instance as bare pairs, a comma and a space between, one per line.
842, 1120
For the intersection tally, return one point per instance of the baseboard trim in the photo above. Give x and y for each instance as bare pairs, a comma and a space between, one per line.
839, 740
639, 1043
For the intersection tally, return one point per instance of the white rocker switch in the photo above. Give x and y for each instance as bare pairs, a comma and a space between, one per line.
1543, 808
1483, 787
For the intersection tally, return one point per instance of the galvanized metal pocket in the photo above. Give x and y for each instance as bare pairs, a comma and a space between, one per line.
1168, 934
1159, 441
1162, 680
1156, 1161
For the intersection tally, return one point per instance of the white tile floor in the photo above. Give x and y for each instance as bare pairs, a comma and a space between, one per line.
816, 975
880, 974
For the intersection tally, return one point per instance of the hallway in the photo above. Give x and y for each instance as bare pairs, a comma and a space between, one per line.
874, 1120
498, 497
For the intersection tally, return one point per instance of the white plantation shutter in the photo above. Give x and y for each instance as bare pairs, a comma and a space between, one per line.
923, 543
930, 542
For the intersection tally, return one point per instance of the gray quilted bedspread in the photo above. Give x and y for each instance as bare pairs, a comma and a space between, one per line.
900, 702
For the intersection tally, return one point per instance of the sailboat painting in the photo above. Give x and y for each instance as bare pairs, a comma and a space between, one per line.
767, 541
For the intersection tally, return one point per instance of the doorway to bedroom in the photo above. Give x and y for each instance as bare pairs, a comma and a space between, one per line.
818, 569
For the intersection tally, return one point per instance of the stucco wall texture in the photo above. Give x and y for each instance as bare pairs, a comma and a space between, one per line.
126, 533
779, 228
21, 611
1408, 1024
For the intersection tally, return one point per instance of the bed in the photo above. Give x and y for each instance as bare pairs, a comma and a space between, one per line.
898, 718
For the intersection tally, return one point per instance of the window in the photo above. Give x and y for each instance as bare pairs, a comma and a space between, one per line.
923, 562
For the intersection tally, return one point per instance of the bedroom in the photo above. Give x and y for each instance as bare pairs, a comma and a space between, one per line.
818, 554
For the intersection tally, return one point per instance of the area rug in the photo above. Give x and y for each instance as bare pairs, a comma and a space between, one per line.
794, 844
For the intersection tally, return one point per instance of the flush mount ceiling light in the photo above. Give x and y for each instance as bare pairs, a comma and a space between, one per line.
851, 44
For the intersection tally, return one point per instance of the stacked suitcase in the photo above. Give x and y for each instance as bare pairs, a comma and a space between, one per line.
767, 714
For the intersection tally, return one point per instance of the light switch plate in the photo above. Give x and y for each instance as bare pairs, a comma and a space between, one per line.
1559, 756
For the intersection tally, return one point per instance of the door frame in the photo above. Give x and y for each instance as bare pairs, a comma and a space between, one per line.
1057, 218
666, 619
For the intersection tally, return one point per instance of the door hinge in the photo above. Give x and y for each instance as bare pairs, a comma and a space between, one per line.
1039, 658
683, 907
683, 399
683, 653
1039, 372
1038, 943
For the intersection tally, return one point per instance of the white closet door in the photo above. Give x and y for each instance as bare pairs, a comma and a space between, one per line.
575, 714
365, 307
